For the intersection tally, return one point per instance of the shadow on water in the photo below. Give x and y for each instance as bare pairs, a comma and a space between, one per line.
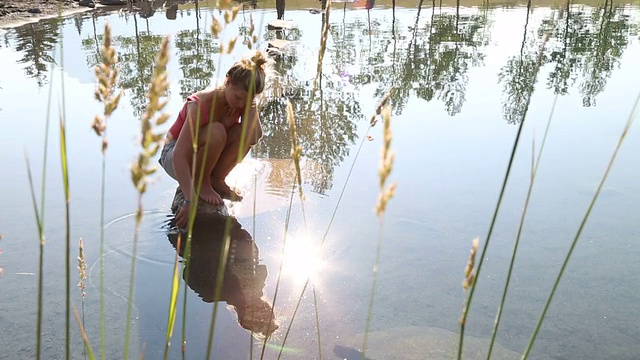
244, 277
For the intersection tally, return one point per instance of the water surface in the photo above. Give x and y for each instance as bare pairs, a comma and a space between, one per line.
465, 79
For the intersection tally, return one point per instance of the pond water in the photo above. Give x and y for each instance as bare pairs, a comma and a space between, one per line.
464, 78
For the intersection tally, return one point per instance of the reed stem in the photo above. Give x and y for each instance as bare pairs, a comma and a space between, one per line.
581, 228
469, 300
65, 182
534, 171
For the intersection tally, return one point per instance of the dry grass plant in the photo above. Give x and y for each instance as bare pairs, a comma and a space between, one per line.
141, 169
106, 75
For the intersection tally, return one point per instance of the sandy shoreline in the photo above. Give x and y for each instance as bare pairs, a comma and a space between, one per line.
16, 13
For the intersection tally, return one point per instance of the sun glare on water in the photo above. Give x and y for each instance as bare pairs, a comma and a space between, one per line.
302, 260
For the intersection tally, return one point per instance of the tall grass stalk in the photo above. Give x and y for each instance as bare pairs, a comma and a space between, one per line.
40, 218
194, 196
534, 171
323, 46
83, 333
218, 286
40, 225
275, 293
255, 194
469, 299
107, 76
82, 272
581, 227
386, 193
67, 195
175, 287
141, 168
372, 123
253, 251
187, 252
222, 263
278, 278
65, 181
216, 29
296, 152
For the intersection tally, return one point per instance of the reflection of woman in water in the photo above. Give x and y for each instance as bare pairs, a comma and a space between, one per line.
244, 277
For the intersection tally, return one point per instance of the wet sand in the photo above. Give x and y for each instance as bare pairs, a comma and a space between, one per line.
15, 13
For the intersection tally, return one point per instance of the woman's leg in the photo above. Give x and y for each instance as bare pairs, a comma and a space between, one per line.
229, 159
211, 143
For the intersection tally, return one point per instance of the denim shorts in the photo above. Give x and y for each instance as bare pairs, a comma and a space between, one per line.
166, 158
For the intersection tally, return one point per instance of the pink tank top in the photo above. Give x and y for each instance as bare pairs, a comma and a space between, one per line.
182, 115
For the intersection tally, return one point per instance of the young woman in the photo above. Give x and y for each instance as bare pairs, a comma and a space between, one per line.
216, 116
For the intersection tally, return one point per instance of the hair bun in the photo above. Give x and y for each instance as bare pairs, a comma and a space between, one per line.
259, 58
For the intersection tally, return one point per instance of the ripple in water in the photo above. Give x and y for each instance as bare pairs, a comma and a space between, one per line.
153, 250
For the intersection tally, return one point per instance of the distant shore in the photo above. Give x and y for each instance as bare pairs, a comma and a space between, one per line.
15, 13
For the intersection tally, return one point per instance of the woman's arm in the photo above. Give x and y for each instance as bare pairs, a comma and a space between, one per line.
183, 152
254, 128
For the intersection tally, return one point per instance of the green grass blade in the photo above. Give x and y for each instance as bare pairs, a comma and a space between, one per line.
175, 287
534, 170
102, 200
295, 312
85, 339
373, 292
186, 256
315, 305
46, 145
132, 272
39, 224
323, 45
580, 228
333, 215
386, 193
65, 181
284, 246
253, 236
469, 300
219, 281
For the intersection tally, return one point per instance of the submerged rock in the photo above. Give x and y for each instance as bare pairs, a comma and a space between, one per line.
280, 24
113, 2
276, 48
204, 209
87, 3
418, 343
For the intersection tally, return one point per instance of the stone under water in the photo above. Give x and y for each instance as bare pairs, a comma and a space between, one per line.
419, 343
280, 24
204, 209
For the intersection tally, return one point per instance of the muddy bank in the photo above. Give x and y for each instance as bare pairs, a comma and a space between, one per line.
14, 13
17, 12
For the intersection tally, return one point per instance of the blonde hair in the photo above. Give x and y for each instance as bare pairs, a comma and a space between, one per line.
240, 73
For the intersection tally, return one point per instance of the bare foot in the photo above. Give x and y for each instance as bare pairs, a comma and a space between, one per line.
209, 195
225, 191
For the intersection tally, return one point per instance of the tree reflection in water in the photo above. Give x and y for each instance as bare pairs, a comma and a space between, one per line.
325, 124
35, 42
432, 63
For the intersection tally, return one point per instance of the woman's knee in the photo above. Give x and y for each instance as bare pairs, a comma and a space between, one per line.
251, 137
214, 132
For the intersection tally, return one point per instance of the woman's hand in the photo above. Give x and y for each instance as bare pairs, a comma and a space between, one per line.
182, 217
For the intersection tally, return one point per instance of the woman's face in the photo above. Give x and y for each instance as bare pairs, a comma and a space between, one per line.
236, 96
